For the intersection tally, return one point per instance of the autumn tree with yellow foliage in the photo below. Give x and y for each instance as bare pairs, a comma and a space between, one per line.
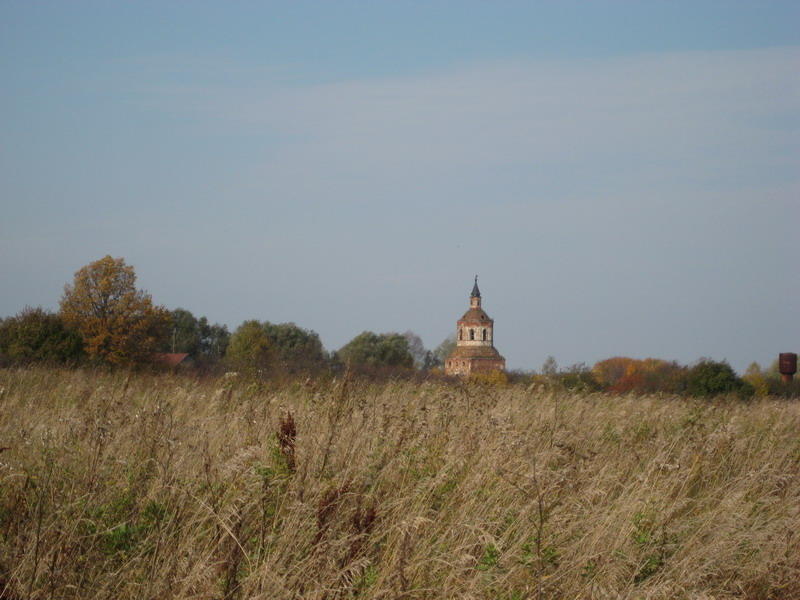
118, 323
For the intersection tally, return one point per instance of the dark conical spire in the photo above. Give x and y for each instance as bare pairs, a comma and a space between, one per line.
476, 293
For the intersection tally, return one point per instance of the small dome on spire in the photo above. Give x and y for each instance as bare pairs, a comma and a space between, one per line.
476, 293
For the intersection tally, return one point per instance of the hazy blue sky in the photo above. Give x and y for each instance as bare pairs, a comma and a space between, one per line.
624, 177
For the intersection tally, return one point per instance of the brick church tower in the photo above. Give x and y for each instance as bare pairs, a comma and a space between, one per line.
475, 351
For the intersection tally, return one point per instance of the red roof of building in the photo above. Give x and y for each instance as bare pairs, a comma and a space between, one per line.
170, 359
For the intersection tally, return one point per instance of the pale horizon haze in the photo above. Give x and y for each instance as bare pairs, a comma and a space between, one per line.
623, 177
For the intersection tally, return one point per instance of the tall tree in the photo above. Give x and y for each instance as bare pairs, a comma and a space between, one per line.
214, 339
278, 346
39, 335
118, 323
378, 350
757, 378
550, 367
662, 376
250, 348
195, 336
437, 358
610, 371
183, 335
417, 350
297, 349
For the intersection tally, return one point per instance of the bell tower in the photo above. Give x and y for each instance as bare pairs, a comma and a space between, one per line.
475, 351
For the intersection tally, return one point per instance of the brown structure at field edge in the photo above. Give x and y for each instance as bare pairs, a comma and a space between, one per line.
475, 351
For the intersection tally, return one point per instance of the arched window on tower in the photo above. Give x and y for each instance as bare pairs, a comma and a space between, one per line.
484, 335
472, 334
460, 334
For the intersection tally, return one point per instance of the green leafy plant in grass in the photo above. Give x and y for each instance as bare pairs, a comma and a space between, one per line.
532, 552
419, 464
274, 482
152, 515
642, 532
589, 570
363, 583
267, 474
127, 535
121, 538
118, 527
654, 547
651, 565
442, 493
282, 465
483, 493
272, 489
489, 559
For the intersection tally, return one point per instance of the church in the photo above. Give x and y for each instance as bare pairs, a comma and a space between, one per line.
475, 351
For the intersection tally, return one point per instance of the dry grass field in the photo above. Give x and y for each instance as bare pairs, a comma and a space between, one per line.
158, 486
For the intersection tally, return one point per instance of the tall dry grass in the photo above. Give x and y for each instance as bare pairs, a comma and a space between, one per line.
140, 486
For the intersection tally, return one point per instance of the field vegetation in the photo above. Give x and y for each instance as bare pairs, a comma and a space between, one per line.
135, 485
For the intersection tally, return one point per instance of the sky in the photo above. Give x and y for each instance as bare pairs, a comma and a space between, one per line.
622, 176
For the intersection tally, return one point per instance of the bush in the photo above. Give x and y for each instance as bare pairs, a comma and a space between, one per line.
495, 378
711, 378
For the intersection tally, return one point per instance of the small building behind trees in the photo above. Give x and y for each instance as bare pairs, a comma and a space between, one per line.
475, 352
173, 360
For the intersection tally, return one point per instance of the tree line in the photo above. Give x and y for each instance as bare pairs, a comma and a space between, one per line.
624, 375
104, 319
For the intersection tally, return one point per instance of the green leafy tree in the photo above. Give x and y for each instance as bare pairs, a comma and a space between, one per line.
377, 350
296, 349
436, 359
183, 335
249, 348
214, 339
39, 335
118, 324
577, 377
712, 378
195, 336
281, 347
